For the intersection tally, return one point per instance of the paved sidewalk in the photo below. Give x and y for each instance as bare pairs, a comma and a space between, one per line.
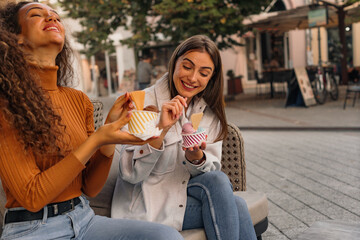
308, 176
305, 159
249, 111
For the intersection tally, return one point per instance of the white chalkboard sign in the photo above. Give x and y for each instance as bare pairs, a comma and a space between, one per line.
305, 87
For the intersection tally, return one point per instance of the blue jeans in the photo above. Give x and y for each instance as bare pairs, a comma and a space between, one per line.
82, 223
212, 205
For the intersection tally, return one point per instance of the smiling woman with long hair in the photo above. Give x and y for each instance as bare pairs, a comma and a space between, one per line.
182, 187
49, 153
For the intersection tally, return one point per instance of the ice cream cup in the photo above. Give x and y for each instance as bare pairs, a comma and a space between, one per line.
140, 121
190, 140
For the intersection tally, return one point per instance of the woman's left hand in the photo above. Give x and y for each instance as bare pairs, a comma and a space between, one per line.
110, 133
195, 153
122, 104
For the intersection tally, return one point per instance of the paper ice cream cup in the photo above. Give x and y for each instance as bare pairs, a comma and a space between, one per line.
190, 140
141, 121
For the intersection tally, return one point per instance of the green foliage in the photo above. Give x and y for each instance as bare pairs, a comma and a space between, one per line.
349, 2
147, 19
98, 18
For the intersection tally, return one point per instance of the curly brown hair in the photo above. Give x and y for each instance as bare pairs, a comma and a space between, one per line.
10, 16
24, 104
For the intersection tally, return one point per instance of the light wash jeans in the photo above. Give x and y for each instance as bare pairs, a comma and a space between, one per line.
82, 223
212, 205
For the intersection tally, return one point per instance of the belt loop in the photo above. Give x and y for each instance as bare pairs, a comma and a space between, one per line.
82, 199
6, 210
45, 214
56, 209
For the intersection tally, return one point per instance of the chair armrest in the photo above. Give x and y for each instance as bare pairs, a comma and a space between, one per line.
233, 158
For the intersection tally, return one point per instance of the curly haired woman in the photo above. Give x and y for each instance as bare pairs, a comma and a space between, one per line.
49, 152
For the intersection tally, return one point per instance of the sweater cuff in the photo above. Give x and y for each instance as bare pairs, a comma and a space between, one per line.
101, 157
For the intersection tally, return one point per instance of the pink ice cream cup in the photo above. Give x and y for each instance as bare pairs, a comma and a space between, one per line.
190, 140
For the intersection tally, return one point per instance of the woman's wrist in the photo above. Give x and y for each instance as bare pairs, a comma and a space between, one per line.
197, 161
107, 150
158, 142
87, 149
164, 128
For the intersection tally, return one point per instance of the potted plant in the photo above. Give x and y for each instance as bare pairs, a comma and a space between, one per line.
234, 83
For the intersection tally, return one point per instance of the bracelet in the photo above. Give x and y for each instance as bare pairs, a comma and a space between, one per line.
199, 161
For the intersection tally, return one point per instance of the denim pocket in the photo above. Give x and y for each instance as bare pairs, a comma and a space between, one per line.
19, 229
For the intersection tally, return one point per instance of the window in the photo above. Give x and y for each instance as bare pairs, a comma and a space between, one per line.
251, 58
334, 46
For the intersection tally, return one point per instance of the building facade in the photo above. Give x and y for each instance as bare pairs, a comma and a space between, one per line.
114, 73
295, 48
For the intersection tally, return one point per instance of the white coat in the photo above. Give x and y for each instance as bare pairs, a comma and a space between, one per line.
152, 184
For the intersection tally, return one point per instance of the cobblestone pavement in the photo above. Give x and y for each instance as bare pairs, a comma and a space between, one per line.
307, 160
307, 176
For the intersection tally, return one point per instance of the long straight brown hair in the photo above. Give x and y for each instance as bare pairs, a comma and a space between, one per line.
213, 93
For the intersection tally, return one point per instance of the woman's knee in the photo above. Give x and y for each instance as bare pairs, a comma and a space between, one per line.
215, 182
241, 204
218, 177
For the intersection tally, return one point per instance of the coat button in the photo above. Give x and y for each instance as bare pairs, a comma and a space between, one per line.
184, 162
181, 205
141, 151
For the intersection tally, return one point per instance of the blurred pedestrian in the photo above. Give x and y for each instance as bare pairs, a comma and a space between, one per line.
144, 72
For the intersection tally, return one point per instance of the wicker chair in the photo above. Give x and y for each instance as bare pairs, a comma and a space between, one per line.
98, 113
233, 164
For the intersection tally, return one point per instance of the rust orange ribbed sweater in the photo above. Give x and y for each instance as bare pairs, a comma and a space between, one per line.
33, 183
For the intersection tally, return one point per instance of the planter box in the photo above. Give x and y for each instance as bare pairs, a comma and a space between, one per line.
235, 86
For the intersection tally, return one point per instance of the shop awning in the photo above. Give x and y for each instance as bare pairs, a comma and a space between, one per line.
297, 18
339, 14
